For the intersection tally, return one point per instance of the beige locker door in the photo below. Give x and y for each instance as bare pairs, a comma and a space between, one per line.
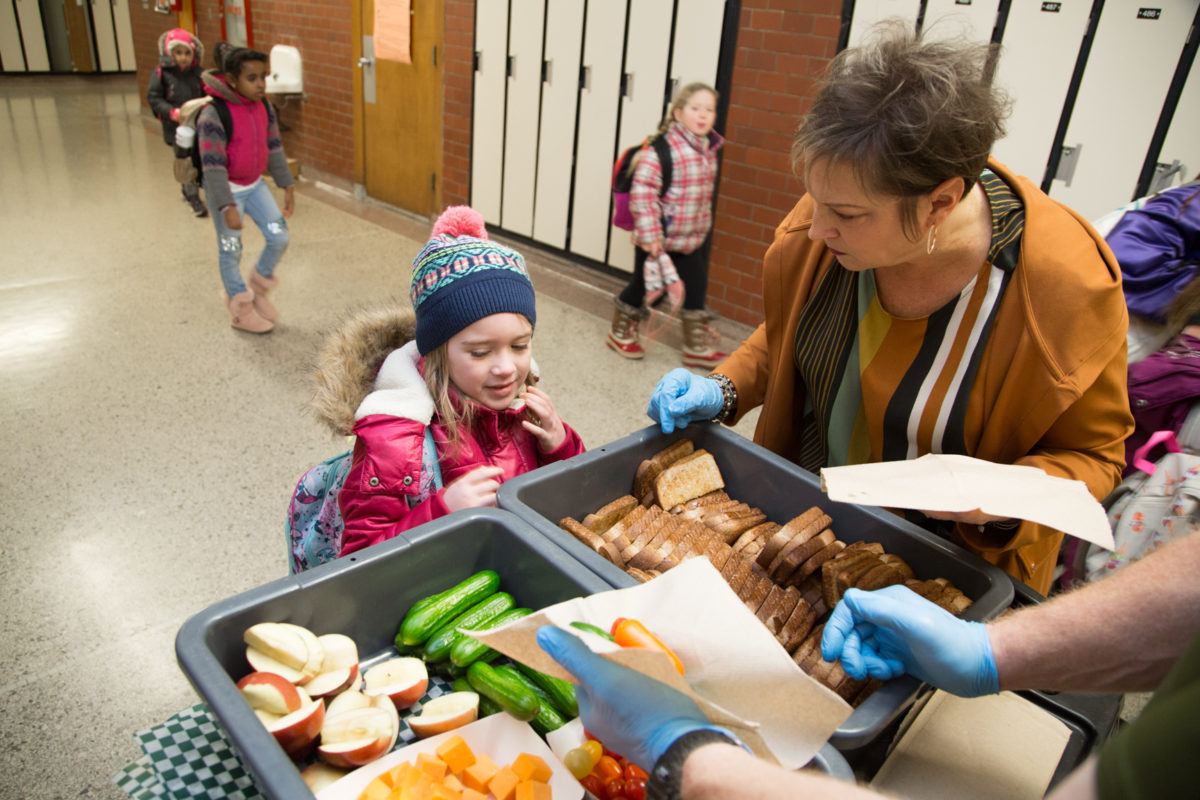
487, 129
1037, 56
642, 104
29, 16
124, 29
1125, 82
596, 140
105, 35
1183, 136
868, 12
556, 136
11, 57
526, 25
950, 19
698, 26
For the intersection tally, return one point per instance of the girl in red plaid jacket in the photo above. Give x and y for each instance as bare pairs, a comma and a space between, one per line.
672, 228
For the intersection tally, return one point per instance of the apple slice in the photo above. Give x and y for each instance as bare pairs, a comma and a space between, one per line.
332, 682
280, 643
297, 732
356, 737
348, 700
385, 703
403, 679
318, 775
445, 713
261, 662
270, 692
316, 652
340, 651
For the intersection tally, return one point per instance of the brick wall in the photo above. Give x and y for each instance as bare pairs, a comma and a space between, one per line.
458, 76
780, 52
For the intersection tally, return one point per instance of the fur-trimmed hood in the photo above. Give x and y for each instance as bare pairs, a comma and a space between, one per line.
352, 357
197, 51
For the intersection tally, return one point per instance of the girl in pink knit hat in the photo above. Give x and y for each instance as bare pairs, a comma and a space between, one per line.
173, 82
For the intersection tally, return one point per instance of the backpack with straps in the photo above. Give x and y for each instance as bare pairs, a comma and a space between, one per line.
314, 519
622, 180
187, 161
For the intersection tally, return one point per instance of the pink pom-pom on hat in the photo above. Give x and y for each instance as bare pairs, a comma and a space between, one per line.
460, 221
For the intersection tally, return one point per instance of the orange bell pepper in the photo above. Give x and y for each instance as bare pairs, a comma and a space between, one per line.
631, 633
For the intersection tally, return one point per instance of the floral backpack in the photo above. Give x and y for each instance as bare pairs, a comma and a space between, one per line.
1156, 504
314, 519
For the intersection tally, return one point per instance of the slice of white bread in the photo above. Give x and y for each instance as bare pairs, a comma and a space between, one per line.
649, 469
688, 478
607, 516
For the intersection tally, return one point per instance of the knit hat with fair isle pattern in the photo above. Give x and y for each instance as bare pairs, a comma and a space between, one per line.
460, 277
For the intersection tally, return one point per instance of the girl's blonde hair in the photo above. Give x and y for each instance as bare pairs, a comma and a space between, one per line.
681, 98
457, 418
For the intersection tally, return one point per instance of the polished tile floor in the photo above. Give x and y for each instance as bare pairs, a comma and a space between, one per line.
149, 450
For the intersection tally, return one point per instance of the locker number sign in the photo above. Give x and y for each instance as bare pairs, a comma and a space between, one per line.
1052, 8
1149, 13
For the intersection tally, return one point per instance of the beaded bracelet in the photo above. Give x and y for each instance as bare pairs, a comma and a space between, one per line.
728, 398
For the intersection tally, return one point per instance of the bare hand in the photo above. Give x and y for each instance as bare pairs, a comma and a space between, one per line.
289, 201
476, 489
549, 429
973, 517
233, 220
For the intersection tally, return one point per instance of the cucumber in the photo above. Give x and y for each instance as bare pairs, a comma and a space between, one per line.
427, 616
438, 646
589, 628
467, 650
561, 693
547, 719
507, 692
487, 706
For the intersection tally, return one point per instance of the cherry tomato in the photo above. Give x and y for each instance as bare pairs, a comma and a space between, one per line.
614, 788
632, 770
594, 750
608, 769
593, 784
578, 762
635, 788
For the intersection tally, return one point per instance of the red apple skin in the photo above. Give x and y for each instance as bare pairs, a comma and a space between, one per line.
409, 695
356, 757
299, 738
287, 691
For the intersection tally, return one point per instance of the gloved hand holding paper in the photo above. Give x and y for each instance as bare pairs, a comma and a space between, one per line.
936, 482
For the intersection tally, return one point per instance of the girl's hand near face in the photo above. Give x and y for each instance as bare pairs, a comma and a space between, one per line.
476, 489
233, 220
549, 429
289, 201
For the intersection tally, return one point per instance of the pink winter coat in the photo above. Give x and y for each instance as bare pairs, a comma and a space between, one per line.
388, 490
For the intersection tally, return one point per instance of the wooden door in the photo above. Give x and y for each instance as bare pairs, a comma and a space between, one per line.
487, 125
79, 33
556, 134
402, 128
1121, 95
522, 112
1037, 86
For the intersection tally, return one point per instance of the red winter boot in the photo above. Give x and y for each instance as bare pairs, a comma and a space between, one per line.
700, 341
623, 336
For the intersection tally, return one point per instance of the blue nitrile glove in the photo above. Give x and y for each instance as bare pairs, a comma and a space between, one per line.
682, 397
894, 630
631, 714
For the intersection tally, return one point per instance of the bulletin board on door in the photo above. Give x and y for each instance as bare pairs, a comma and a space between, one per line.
235, 22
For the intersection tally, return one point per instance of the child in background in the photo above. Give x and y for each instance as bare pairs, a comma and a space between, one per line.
676, 224
452, 411
233, 164
174, 81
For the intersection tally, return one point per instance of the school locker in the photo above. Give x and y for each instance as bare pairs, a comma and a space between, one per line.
124, 31
29, 17
556, 134
868, 12
1130, 67
487, 128
1182, 143
953, 19
105, 35
642, 103
1038, 52
697, 46
595, 143
11, 57
526, 22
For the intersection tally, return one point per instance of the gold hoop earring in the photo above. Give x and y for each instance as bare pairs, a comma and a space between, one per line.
931, 240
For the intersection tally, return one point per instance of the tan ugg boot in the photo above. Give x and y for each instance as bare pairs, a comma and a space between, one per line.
623, 336
700, 340
243, 316
261, 287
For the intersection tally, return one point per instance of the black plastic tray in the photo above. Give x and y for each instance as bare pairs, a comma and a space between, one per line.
364, 596
753, 474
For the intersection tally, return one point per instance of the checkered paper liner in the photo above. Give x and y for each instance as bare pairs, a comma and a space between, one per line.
188, 756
